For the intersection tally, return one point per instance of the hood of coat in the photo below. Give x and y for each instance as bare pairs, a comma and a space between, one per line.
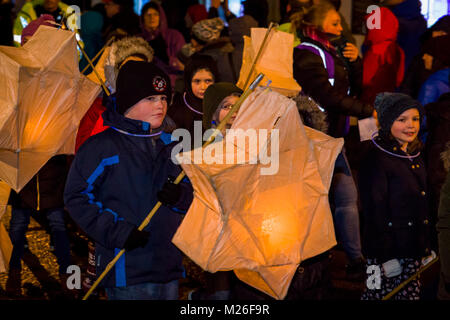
388, 30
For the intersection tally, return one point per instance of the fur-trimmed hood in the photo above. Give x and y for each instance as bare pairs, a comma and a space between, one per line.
445, 156
311, 114
120, 51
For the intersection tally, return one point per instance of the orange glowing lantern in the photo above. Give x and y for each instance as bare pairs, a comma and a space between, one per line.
276, 61
262, 223
43, 97
5, 242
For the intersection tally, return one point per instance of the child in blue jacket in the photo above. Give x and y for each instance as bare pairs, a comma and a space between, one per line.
116, 179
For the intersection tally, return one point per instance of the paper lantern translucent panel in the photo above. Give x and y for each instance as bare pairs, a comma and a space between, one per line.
261, 225
276, 60
43, 97
5, 241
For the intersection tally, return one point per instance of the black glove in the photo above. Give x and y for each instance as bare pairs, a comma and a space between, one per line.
170, 193
136, 239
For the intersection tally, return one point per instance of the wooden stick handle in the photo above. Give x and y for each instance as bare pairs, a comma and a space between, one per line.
258, 55
404, 283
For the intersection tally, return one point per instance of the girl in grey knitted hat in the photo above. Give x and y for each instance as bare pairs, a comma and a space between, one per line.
398, 227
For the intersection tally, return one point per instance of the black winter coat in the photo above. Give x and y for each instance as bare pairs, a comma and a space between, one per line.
182, 115
312, 76
394, 199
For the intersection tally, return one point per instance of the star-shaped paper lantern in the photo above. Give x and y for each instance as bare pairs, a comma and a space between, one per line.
261, 218
43, 97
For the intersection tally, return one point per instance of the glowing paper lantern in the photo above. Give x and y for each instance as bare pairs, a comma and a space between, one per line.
5, 242
261, 225
43, 97
275, 61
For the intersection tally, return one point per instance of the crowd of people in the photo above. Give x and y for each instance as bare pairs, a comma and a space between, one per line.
177, 64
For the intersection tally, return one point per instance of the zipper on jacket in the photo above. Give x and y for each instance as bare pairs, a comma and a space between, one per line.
38, 195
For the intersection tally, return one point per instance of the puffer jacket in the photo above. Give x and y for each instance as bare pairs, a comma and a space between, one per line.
110, 190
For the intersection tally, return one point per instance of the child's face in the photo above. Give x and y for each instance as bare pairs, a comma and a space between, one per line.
226, 107
151, 109
406, 127
332, 23
201, 80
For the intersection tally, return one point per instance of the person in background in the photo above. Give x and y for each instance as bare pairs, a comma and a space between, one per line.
412, 25
217, 102
443, 229
91, 31
118, 176
258, 10
200, 72
394, 198
120, 19
331, 76
240, 27
383, 61
176, 12
438, 134
220, 9
433, 57
165, 42
195, 13
206, 39
34, 9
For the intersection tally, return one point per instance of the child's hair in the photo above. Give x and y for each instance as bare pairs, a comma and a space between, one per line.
203, 68
412, 148
313, 16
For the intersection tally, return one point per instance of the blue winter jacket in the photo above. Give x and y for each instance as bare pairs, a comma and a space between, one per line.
111, 188
436, 85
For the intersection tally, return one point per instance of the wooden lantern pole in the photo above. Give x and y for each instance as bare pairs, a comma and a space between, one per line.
404, 283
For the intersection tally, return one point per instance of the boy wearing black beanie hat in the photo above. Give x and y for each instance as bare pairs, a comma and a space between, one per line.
138, 81
116, 179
